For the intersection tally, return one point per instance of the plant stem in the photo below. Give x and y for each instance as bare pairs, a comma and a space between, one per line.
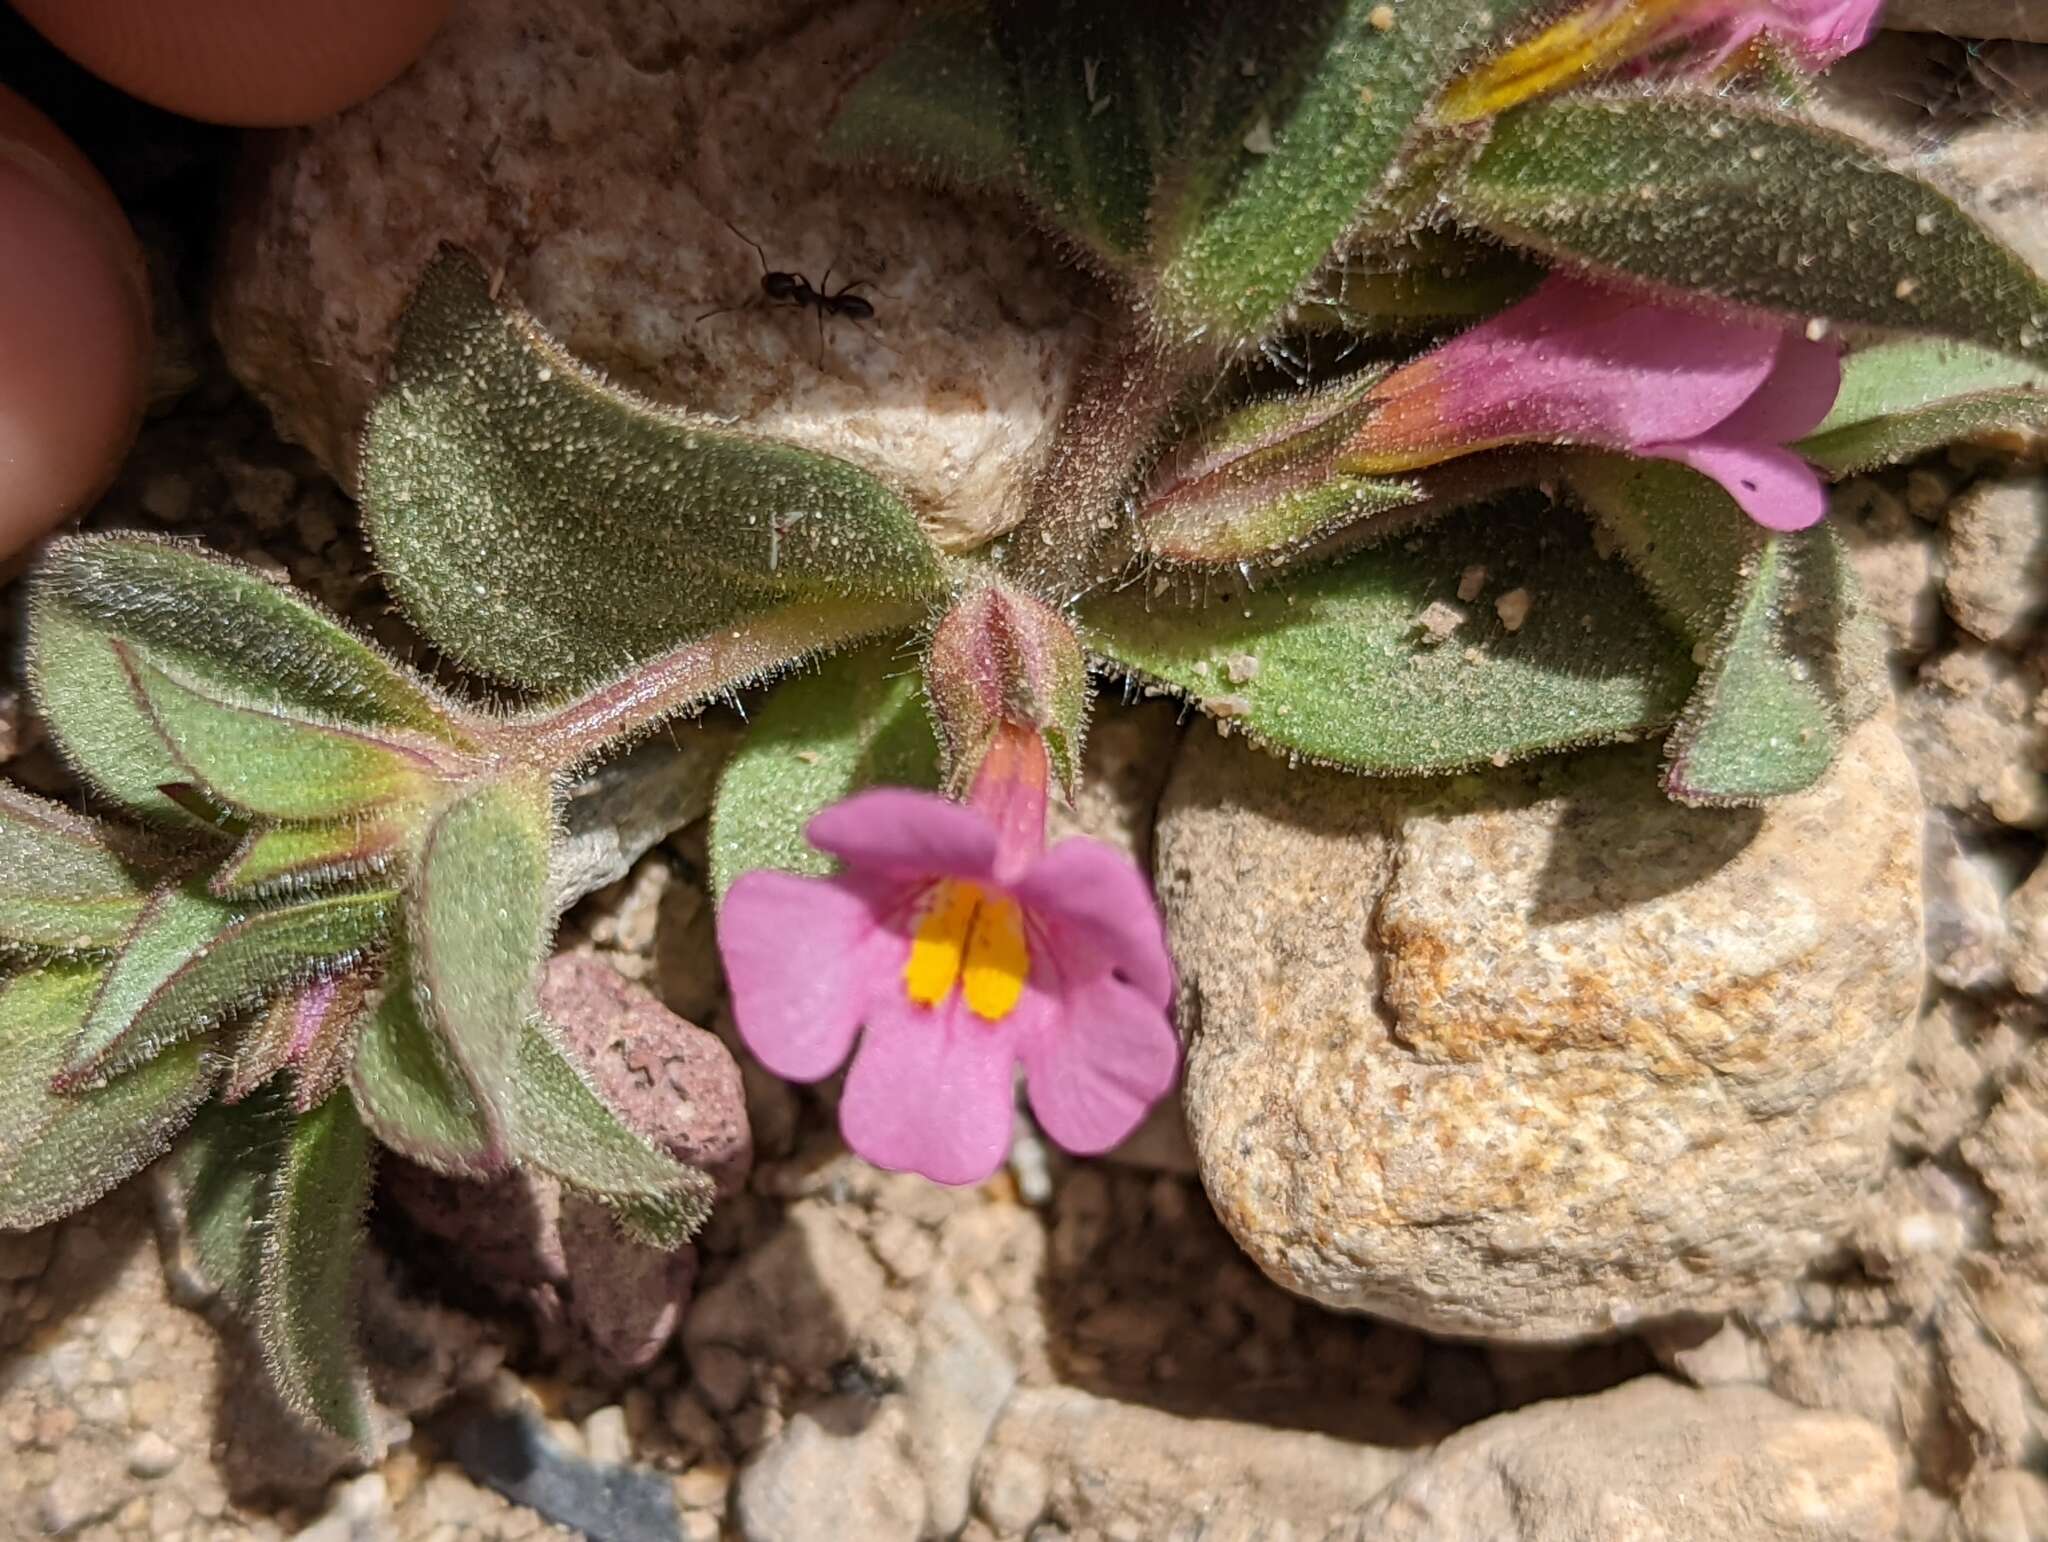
687, 677
1128, 388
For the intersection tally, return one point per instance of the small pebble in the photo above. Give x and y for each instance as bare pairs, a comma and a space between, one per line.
151, 1456
722, 1376
1513, 608
605, 1438
704, 1488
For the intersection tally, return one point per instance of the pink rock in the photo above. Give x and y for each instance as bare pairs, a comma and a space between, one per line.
675, 1083
556, 1255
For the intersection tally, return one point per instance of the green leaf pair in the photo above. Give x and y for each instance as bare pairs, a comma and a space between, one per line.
1207, 155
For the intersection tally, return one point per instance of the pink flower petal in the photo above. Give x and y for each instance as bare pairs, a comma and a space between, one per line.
892, 830
1794, 399
1774, 486
1094, 892
1822, 30
931, 1091
1095, 1070
1574, 363
804, 957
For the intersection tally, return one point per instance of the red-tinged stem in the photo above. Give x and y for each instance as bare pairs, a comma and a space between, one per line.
1077, 512
684, 678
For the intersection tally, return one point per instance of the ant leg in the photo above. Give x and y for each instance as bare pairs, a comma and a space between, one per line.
872, 336
821, 339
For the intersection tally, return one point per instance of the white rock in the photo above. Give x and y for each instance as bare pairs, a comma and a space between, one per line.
151, 1456
596, 155
1539, 1054
360, 1511
959, 1384
812, 1485
1122, 1469
1652, 1462
1010, 1491
605, 1437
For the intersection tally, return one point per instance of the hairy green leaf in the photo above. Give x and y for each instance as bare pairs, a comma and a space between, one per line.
943, 104
1268, 218
1724, 195
224, 1173
192, 961
547, 528
291, 858
857, 721
64, 886
1910, 395
263, 762
1262, 480
1379, 665
1212, 153
1424, 279
1770, 617
1757, 726
412, 1095
477, 922
220, 626
558, 1121
306, 1292
61, 1151
311, 1029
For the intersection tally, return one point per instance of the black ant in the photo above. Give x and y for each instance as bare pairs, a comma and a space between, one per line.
794, 289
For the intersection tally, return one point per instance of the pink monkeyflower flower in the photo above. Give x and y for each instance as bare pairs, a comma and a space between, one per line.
1817, 32
1578, 364
957, 947
1686, 36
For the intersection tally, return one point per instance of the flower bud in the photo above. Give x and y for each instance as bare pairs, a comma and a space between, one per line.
999, 657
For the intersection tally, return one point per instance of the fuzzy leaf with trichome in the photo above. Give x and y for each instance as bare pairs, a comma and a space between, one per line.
222, 628
1345, 665
855, 721
549, 529
1725, 196
1909, 395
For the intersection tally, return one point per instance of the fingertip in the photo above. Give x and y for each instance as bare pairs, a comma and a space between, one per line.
254, 63
74, 329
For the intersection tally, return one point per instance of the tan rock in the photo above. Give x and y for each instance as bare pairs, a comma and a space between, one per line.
1121, 1469
2007, 1151
1654, 1462
1538, 1054
1971, 724
2005, 1505
1897, 562
1995, 541
595, 155
2026, 940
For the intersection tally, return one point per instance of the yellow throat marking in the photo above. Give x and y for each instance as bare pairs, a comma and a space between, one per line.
970, 938
1588, 42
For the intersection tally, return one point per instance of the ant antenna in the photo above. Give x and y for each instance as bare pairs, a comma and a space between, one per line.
756, 245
